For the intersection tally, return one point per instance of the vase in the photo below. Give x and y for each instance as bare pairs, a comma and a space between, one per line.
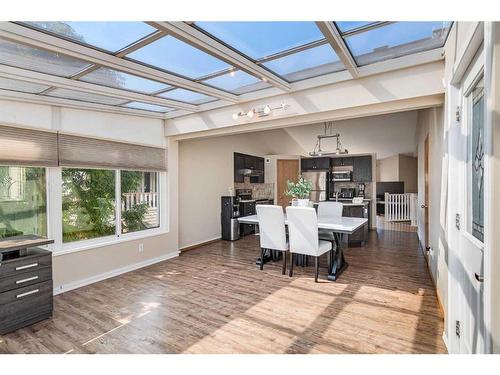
303, 202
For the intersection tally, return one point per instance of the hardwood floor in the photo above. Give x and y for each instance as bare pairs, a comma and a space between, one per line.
215, 300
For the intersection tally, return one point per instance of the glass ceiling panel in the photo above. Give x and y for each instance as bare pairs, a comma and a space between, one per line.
307, 64
397, 39
345, 26
85, 97
173, 55
260, 39
110, 36
148, 107
39, 60
115, 78
21, 86
237, 82
187, 96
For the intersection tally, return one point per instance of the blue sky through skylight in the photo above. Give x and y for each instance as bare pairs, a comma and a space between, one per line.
111, 36
187, 96
303, 60
260, 39
349, 25
178, 57
393, 35
115, 78
230, 82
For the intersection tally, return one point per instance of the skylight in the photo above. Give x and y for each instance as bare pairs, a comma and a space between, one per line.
261, 39
306, 64
187, 96
173, 55
121, 80
85, 97
148, 107
345, 26
396, 39
236, 82
39, 60
21, 86
110, 36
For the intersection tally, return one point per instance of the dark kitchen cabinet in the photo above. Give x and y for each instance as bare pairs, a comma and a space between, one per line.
362, 169
239, 164
342, 162
311, 164
250, 162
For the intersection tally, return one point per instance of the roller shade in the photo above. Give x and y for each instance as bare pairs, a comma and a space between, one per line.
21, 146
75, 151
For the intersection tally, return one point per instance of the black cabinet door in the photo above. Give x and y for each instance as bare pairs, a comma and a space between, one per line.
260, 167
251, 162
239, 164
311, 164
362, 169
343, 161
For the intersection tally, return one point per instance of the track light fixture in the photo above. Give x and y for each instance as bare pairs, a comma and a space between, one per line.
259, 112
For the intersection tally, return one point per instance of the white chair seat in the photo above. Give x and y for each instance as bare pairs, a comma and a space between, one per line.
324, 246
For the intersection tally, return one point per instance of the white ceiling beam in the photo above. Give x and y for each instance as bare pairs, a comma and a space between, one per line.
337, 43
200, 40
70, 84
30, 37
70, 103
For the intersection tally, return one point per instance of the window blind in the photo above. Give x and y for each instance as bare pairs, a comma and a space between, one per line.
76, 151
29, 147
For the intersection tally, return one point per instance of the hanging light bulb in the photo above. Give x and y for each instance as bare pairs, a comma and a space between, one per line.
267, 110
235, 116
250, 113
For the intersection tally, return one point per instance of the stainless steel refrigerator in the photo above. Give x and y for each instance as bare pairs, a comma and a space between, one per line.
319, 180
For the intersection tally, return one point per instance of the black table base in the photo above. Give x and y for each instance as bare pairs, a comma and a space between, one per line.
338, 263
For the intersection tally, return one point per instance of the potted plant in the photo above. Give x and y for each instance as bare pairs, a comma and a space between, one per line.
299, 190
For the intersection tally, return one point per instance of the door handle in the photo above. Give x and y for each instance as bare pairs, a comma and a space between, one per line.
424, 206
479, 278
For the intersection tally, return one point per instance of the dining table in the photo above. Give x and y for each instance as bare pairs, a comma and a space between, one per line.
338, 226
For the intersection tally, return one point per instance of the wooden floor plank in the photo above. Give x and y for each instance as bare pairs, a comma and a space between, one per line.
214, 299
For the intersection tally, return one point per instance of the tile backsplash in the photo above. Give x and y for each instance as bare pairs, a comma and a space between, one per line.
259, 191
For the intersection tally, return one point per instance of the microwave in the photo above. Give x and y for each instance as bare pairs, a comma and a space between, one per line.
342, 176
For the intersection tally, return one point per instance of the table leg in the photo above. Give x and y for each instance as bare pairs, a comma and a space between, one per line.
338, 261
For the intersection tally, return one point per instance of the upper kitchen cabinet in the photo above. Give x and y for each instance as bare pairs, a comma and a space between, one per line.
239, 164
342, 162
248, 165
313, 164
362, 168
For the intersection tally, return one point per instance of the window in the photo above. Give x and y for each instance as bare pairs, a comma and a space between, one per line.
476, 163
88, 203
23, 201
140, 206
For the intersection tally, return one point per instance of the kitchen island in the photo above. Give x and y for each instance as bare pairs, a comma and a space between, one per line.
362, 210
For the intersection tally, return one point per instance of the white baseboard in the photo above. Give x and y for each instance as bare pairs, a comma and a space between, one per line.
106, 275
445, 339
200, 243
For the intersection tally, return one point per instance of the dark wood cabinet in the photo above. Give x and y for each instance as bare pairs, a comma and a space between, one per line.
360, 236
253, 163
342, 161
312, 164
25, 288
362, 169
239, 164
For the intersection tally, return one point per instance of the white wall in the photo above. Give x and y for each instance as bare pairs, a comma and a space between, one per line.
383, 135
431, 123
71, 269
388, 169
206, 172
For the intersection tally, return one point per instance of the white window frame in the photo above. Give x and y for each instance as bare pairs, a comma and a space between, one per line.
54, 215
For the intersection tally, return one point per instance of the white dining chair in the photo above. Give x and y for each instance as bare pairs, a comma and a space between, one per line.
303, 236
329, 209
272, 232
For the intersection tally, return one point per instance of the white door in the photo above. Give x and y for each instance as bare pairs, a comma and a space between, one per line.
466, 267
